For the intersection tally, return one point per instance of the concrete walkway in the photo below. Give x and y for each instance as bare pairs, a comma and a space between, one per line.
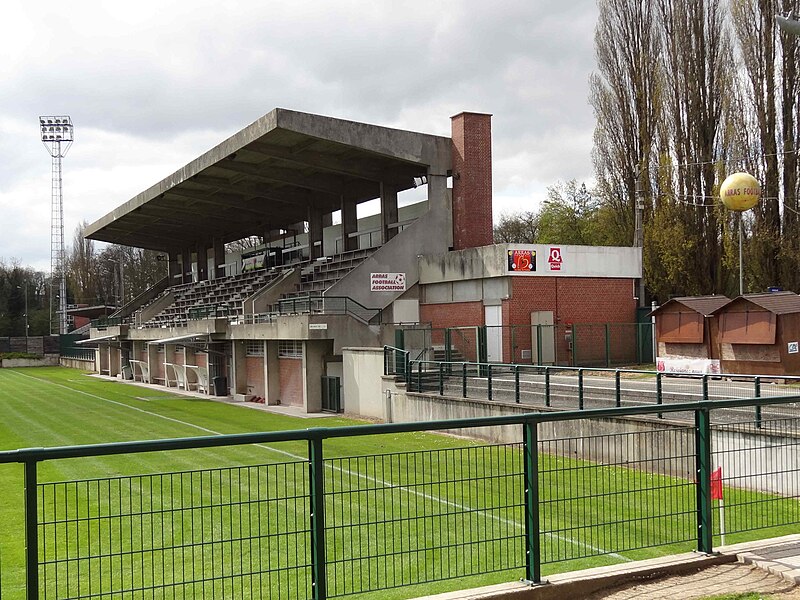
280, 409
775, 569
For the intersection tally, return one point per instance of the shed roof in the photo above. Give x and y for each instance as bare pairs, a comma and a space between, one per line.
779, 303
705, 305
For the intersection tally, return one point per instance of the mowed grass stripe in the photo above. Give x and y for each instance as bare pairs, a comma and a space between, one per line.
385, 483
295, 456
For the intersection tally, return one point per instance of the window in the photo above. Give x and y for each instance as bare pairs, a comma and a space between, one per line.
750, 327
290, 349
254, 348
680, 327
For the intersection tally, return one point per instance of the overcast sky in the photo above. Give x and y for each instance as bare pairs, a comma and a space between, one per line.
150, 85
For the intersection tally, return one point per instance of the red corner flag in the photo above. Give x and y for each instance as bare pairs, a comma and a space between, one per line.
716, 484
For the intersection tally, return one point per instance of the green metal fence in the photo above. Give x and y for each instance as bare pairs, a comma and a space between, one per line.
578, 388
332, 522
572, 345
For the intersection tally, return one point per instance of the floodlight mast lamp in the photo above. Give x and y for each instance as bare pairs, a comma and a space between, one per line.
57, 134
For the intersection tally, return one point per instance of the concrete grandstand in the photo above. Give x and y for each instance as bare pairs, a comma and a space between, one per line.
273, 322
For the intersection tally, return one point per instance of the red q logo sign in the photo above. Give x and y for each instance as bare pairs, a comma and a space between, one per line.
554, 258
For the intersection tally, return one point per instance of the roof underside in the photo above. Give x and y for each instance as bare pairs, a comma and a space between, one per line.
269, 176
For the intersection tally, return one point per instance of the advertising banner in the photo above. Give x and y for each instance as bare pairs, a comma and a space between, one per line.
387, 282
693, 366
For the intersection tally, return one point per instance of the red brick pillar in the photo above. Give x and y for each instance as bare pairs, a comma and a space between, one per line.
472, 180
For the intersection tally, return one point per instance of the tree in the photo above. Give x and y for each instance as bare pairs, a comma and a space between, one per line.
624, 93
81, 268
567, 215
517, 228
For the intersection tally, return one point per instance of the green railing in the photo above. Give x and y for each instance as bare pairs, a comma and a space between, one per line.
78, 353
104, 322
210, 311
327, 305
328, 523
570, 388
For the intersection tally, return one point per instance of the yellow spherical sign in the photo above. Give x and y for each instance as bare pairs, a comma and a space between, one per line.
740, 192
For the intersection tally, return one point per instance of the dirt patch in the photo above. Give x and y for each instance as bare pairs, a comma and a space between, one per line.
716, 580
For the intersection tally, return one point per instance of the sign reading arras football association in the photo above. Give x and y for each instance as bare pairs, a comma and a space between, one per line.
387, 282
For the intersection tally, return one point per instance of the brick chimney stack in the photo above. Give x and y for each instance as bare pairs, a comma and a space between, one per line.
472, 180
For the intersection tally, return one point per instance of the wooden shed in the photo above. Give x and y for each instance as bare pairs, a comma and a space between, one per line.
686, 334
758, 334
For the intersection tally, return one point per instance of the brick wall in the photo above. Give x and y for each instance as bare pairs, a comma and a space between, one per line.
472, 180
455, 314
572, 300
291, 370
254, 366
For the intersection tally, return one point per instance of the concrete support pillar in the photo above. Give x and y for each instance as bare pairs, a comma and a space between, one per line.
272, 372
314, 232
174, 269
202, 263
314, 352
186, 265
114, 361
472, 180
349, 225
389, 212
152, 361
219, 258
239, 367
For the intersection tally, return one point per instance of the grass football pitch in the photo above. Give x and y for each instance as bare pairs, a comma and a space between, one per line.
591, 515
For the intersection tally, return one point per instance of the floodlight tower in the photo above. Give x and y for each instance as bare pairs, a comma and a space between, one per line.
57, 136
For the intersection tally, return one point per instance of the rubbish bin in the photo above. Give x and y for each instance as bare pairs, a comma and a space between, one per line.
126, 373
220, 383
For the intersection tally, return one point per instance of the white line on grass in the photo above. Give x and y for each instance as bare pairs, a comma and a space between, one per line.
408, 490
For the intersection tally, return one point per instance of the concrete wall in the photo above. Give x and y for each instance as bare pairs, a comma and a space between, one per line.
492, 261
77, 363
750, 459
429, 234
362, 392
13, 363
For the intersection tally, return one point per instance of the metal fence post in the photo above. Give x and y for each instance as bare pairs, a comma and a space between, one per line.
441, 379
757, 383
533, 562
580, 389
705, 387
547, 386
448, 345
617, 389
703, 460
464, 380
538, 344
31, 533
608, 344
419, 376
659, 392
489, 382
319, 582
574, 334
516, 383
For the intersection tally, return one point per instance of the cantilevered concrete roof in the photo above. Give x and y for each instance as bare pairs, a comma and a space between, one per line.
268, 176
